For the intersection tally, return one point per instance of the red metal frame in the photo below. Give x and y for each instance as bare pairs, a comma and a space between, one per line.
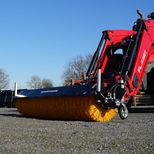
144, 54
113, 37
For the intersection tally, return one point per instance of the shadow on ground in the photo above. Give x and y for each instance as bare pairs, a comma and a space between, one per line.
142, 109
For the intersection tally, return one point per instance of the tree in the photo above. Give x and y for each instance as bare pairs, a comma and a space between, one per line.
75, 68
46, 83
4, 79
36, 82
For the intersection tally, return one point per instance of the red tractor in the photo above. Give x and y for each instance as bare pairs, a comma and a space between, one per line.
122, 63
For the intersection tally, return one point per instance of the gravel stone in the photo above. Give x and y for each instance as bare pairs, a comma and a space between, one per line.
21, 135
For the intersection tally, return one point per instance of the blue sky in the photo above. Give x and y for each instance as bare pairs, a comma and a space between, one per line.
39, 37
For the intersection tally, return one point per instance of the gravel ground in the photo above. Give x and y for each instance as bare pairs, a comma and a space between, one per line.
18, 134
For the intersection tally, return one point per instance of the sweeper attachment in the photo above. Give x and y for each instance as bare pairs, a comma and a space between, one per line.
114, 76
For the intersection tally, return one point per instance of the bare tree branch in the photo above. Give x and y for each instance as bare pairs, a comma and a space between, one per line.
75, 68
4, 79
46, 83
36, 82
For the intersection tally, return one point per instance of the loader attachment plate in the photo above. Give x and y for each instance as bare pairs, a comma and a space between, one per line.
64, 103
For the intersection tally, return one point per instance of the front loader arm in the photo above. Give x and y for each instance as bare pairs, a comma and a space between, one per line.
99, 60
143, 55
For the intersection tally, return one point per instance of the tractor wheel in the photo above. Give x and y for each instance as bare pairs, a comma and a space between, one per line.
123, 111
